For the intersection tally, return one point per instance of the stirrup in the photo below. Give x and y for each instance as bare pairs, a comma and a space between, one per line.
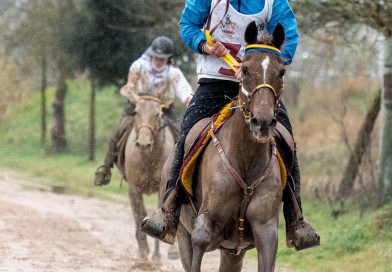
102, 175
302, 236
163, 223
158, 227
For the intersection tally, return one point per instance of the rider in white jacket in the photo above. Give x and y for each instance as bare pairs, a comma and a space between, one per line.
152, 74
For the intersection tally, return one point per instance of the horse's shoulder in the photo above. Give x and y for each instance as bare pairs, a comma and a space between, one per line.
195, 132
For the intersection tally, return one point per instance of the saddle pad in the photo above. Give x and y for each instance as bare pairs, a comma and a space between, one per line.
191, 158
188, 167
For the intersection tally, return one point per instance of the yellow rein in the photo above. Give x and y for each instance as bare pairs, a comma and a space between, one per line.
164, 104
229, 59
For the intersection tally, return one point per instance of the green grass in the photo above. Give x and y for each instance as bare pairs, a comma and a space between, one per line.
350, 243
21, 149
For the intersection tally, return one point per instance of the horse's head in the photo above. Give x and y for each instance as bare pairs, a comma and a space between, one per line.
262, 81
148, 113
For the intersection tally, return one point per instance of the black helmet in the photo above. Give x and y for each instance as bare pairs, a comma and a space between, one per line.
162, 47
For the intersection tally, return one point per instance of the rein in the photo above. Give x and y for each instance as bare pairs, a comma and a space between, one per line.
243, 106
152, 98
251, 48
249, 189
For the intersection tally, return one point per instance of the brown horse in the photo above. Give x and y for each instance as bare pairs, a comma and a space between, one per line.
238, 181
148, 146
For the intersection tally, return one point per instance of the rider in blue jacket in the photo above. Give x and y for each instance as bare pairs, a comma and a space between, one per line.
218, 85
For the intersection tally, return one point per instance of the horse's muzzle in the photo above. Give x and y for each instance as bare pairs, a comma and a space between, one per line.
262, 128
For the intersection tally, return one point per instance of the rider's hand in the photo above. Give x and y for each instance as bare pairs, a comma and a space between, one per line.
218, 49
238, 74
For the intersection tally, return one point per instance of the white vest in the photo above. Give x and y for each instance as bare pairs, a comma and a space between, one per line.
165, 84
230, 31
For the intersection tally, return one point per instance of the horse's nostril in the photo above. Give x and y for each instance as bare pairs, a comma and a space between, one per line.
254, 121
137, 144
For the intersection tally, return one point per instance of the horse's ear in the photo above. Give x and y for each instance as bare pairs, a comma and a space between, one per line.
251, 33
278, 36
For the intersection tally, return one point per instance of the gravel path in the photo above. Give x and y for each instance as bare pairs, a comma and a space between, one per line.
44, 231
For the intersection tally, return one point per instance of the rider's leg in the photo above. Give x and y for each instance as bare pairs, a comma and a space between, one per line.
210, 97
293, 224
103, 172
171, 119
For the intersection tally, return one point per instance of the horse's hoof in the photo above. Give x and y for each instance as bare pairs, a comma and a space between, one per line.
156, 259
143, 253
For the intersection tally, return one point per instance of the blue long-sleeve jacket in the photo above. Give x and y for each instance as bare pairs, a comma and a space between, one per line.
196, 13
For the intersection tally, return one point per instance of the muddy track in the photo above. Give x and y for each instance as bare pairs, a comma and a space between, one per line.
45, 231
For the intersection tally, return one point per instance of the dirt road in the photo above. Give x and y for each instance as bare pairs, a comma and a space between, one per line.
44, 231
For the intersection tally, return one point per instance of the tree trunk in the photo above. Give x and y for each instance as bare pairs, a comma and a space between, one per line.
362, 142
58, 131
91, 137
44, 84
385, 174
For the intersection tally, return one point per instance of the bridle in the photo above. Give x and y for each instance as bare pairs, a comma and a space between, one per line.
146, 125
249, 94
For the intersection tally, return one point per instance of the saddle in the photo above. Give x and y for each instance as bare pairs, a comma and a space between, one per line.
201, 136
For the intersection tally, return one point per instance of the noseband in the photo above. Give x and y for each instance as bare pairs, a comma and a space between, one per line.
145, 125
243, 105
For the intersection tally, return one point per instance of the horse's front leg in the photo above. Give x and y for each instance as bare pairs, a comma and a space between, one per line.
201, 238
139, 212
156, 256
266, 242
230, 262
185, 247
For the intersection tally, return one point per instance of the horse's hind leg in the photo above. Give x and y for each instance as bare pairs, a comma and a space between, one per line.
230, 262
139, 212
185, 246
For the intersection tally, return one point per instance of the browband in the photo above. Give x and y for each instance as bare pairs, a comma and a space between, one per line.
262, 48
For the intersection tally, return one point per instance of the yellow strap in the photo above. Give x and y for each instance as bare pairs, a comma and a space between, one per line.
229, 59
264, 85
250, 46
150, 97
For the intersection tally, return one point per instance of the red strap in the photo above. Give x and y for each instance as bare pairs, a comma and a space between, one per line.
208, 23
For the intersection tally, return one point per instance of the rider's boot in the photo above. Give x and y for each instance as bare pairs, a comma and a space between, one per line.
103, 172
163, 223
299, 233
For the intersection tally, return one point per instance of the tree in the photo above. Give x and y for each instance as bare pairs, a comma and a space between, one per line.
112, 34
116, 33
385, 176
40, 29
338, 15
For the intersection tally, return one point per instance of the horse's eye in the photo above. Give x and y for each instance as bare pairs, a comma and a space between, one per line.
282, 72
245, 71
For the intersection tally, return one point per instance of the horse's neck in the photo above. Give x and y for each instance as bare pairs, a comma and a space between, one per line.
248, 156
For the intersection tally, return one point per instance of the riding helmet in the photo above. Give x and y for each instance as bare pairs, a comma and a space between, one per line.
162, 47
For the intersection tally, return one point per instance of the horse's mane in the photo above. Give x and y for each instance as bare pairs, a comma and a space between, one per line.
266, 39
